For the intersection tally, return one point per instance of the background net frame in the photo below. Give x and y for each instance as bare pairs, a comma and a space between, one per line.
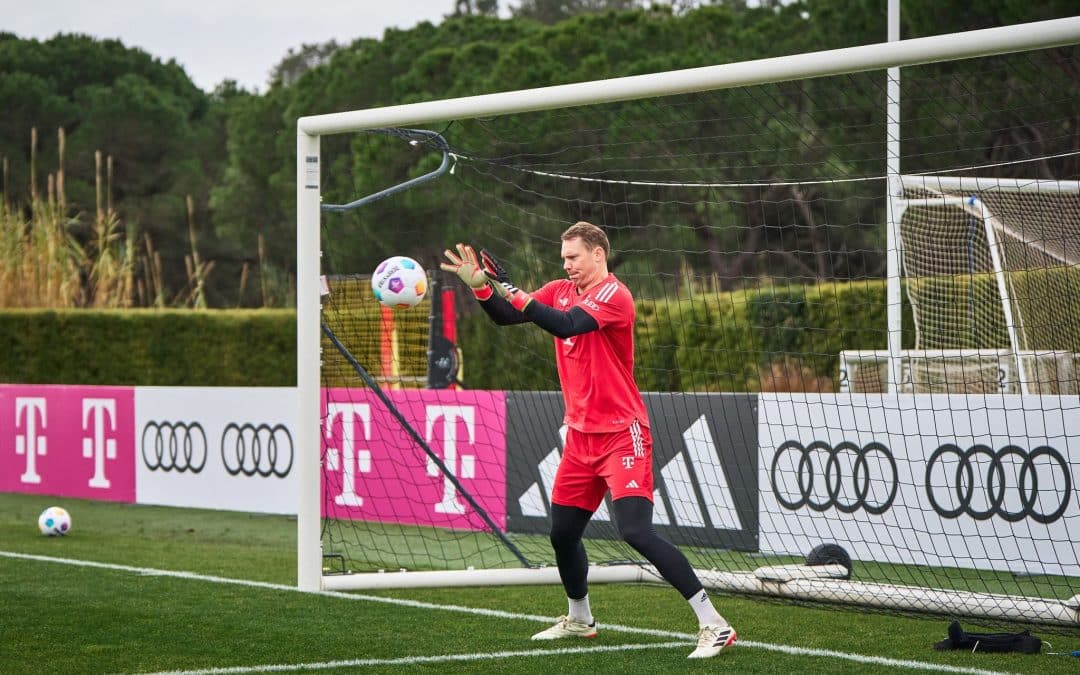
531, 194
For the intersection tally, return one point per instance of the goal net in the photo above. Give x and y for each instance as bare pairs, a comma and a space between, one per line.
748, 218
986, 265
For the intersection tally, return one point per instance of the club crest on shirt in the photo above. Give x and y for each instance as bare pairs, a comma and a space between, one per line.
564, 301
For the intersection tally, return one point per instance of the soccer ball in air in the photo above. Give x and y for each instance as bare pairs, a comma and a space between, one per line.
54, 521
399, 282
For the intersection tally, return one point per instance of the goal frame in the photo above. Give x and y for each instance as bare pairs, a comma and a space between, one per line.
976, 208
889, 55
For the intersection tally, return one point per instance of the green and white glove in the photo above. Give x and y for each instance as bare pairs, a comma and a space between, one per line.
501, 281
467, 267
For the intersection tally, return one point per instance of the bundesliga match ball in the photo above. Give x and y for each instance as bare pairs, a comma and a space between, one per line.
399, 282
54, 521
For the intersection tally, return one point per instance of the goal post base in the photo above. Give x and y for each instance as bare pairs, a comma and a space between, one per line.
797, 582
809, 584
524, 576
783, 573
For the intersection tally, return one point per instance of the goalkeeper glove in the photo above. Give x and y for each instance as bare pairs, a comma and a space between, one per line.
466, 266
501, 281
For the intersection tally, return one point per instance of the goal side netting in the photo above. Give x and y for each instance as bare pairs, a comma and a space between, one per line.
748, 210
987, 264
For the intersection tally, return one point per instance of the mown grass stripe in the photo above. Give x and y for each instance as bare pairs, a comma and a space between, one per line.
686, 639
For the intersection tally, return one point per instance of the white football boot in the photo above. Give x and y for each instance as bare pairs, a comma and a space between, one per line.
565, 627
711, 639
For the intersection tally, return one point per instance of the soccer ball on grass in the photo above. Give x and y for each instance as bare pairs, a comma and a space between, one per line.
399, 282
54, 521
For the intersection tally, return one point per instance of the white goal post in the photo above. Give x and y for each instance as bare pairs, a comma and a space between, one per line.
774, 581
1012, 225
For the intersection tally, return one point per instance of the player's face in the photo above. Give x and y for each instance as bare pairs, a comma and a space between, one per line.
584, 267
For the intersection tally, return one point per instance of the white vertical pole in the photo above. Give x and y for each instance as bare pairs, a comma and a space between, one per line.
1003, 290
894, 190
309, 516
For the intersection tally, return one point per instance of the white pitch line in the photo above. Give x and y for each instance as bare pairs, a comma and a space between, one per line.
416, 660
686, 637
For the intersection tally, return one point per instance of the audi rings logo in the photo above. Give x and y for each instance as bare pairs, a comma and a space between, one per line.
846, 477
261, 449
174, 446
1011, 482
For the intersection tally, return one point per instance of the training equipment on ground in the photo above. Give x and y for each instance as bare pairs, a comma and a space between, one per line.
1023, 642
54, 521
768, 217
399, 282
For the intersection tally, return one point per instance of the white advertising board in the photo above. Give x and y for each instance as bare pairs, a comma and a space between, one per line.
945, 480
231, 448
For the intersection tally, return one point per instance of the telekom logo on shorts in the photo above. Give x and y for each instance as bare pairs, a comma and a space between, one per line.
68, 440
374, 469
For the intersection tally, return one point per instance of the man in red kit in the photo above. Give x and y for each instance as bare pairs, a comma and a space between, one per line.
608, 444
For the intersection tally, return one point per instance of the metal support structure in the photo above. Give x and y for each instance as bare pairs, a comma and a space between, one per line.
415, 136
978, 209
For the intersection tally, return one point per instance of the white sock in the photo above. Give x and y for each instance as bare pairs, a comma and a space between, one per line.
579, 610
706, 613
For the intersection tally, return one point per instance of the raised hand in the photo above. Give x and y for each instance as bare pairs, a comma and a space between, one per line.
498, 274
466, 266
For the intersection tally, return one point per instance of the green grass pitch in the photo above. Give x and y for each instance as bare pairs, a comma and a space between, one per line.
139, 589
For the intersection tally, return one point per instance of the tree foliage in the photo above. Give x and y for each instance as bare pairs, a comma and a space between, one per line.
234, 151
299, 61
147, 115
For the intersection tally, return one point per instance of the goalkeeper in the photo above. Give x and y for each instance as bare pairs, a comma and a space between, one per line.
608, 444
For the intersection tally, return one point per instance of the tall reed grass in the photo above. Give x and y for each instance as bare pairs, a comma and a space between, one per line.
44, 263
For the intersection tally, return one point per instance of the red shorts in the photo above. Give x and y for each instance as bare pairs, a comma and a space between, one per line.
592, 464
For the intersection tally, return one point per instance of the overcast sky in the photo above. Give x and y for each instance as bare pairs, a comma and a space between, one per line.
215, 40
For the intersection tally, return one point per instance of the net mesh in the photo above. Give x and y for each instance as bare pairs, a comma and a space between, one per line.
749, 225
987, 262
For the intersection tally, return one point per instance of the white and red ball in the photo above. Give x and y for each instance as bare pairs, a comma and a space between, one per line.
399, 282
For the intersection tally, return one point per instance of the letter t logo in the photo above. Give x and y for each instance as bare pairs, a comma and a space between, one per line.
458, 464
102, 411
27, 410
348, 459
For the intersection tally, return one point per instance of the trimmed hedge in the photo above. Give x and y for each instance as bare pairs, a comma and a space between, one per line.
706, 341
1048, 301
149, 347
703, 342
723, 341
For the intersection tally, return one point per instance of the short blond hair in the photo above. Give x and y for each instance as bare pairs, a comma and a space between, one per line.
591, 235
